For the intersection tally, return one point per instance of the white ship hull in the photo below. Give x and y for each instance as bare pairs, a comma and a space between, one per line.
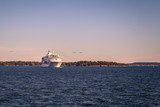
52, 64
55, 64
45, 65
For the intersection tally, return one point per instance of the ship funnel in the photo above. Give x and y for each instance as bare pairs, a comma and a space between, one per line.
49, 53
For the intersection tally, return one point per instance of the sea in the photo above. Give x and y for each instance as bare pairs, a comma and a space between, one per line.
79, 87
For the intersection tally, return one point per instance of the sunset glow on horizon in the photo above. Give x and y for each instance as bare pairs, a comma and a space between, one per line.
93, 30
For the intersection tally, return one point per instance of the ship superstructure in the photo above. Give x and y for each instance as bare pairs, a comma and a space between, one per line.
51, 60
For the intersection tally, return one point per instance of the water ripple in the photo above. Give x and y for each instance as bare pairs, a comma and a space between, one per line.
80, 86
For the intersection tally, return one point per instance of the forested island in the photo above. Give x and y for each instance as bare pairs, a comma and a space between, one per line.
145, 64
81, 63
19, 63
93, 63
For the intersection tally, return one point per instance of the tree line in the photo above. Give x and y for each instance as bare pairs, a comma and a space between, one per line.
79, 63
93, 63
19, 63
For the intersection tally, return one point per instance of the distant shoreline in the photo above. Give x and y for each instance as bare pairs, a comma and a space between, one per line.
80, 63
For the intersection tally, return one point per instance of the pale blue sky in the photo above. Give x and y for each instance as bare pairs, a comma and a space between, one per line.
110, 30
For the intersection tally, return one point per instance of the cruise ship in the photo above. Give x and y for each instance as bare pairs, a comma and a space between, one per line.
51, 60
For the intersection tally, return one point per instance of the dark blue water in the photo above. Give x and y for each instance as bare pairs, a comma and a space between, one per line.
80, 86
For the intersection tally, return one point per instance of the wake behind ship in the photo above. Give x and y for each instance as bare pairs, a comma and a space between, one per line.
51, 60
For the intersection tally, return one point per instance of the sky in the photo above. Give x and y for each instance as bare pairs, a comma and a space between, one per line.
95, 30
